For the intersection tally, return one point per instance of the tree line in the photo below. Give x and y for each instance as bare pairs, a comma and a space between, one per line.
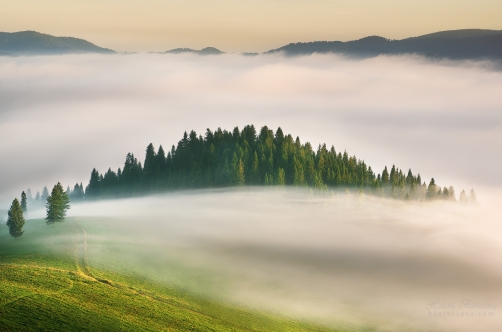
240, 157
247, 157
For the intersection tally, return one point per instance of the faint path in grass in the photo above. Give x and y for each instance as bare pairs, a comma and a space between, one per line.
83, 268
81, 259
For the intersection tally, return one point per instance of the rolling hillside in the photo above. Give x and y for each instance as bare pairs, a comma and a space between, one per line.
35, 43
456, 44
48, 284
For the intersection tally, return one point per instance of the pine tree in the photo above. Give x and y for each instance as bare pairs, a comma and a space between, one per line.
451, 192
385, 176
239, 178
255, 170
24, 202
77, 194
45, 194
224, 158
15, 222
94, 187
281, 177
432, 190
29, 195
57, 204
472, 196
463, 197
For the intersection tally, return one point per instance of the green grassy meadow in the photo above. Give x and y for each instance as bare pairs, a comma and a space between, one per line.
48, 282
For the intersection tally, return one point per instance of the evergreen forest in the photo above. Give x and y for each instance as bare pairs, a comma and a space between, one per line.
246, 157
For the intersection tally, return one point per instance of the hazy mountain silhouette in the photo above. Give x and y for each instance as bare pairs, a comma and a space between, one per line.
35, 43
456, 44
204, 51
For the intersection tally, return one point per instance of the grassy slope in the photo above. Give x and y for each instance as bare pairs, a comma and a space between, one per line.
46, 285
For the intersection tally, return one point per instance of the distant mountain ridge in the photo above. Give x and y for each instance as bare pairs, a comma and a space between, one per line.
35, 43
454, 44
204, 51
473, 44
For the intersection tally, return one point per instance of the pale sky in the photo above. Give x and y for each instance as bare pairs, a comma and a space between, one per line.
241, 25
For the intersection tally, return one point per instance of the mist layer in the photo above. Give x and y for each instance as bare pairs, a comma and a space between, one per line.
329, 257
62, 116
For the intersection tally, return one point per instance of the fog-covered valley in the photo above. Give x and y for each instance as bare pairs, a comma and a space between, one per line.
325, 256
62, 116
330, 256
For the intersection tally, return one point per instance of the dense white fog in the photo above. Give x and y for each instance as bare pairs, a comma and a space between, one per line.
325, 256
60, 116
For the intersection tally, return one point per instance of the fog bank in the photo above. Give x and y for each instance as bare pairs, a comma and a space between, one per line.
329, 257
60, 116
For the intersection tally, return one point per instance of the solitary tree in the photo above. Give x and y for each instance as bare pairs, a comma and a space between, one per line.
23, 202
16, 219
57, 204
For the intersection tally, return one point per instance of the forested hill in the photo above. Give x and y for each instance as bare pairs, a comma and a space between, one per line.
455, 44
35, 43
247, 157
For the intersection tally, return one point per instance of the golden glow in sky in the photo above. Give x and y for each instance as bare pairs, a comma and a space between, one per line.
241, 25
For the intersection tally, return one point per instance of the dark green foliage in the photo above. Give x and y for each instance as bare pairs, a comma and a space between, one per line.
247, 157
94, 187
77, 194
24, 202
15, 222
57, 204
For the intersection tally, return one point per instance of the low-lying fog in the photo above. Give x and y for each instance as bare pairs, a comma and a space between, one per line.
329, 257
61, 116
326, 256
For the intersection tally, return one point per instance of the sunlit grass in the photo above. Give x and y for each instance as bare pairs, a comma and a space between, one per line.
46, 285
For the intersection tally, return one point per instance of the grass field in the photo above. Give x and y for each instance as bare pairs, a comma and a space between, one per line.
48, 283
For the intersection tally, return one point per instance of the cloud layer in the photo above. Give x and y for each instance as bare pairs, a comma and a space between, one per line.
62, 116
322, 256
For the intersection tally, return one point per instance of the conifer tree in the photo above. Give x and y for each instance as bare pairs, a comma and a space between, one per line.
255, 171
472, 196
385, 176
432, 190
463, 197
57, 204
239, 178
45, 194
94, 187
24, 203
15, 222
451, 192
281, 177
29, 195
77, 194
226, 158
